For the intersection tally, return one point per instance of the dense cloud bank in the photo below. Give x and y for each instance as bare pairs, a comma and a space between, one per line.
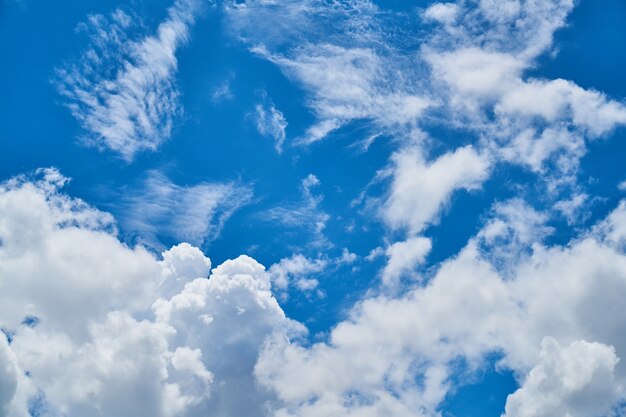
92, 327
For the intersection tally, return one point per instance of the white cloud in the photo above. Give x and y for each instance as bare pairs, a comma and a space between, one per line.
575, 381
442, 12
349, 84
193, 213
398, 353
299, 271
8, 375
613, 229
375, 253
296, 270
475, 74
37, 222
511, 232
181, 264
560, 99
535, 149
115, 331
479, 76
347, 257
420, 189
116, 321
339, 53
96, 343
469, 73
123, 91
573, 208
404, 257
271, 122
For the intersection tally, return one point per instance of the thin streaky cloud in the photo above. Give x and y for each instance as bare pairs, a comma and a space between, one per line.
123, 91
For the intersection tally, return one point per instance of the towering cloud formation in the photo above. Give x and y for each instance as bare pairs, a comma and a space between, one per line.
91, 327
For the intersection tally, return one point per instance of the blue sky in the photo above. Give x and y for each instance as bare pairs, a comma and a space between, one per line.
435, 192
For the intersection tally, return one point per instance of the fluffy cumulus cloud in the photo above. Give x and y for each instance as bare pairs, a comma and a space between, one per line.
8, 375
123, 90
87, 334
554, 318
419, 189
577, 380
539, 123
92, 327
405, 257
296, 270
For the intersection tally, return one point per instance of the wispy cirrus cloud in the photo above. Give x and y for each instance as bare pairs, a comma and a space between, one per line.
467, 70
305, 213
123, 90
271, 122
192, 213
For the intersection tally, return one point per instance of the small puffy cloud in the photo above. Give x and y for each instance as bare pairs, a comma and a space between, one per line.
577, 380
442, 12
223, 91
347, 257
375, 253
560, 99
404, 257
123, 91
295, 271
512, 230
573, 208
299, 271
421, 189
